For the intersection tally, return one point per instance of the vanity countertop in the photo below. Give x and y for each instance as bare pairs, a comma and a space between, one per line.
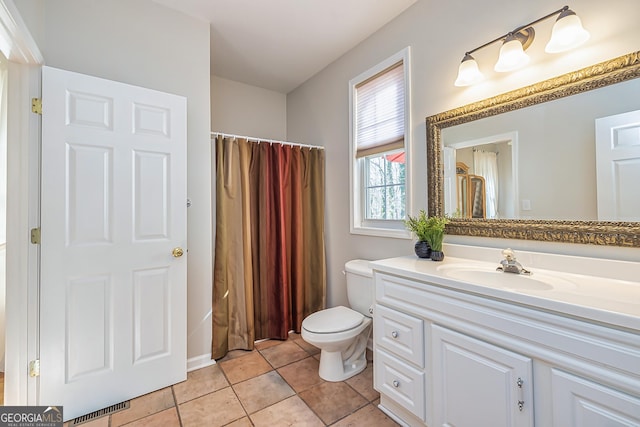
605, 300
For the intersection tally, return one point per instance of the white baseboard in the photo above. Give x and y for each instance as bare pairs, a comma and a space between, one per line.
199, 362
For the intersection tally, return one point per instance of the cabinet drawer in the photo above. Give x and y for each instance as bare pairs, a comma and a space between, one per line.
400, 382
399, 333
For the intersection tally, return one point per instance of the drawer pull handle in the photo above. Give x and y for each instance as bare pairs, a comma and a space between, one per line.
394, 334
396, 383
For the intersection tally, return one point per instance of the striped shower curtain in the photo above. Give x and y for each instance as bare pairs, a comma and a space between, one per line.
269, 267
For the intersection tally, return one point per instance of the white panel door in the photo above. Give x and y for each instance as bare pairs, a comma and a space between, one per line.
113, 295
618, 167
479, 384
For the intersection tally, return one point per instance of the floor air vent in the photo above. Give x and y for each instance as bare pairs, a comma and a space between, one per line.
99, 413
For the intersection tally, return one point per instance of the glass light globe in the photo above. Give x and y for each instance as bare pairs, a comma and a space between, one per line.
468, 72
567, 33
512, 56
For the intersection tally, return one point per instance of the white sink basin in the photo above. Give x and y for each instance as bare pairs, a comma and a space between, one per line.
488, 276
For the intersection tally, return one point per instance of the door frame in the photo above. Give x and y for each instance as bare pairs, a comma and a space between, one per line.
23, 207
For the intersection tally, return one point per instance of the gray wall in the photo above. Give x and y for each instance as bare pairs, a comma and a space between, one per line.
439, 32
242, 109
142, 43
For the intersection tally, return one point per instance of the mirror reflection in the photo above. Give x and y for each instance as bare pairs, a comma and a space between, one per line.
574, 158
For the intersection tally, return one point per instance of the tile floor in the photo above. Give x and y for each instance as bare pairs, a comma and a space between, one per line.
275, 385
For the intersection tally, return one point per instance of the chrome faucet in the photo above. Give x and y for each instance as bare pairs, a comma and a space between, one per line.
510, 265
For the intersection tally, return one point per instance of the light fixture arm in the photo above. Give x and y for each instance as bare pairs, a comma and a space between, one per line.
517, 30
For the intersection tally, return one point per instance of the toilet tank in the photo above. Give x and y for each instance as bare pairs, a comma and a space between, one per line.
359, 285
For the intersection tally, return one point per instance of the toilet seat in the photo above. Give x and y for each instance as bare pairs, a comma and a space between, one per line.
332, 320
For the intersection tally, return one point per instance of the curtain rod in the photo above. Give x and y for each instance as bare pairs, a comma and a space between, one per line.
270, 141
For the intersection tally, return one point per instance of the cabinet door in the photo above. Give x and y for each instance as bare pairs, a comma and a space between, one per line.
578, 402
479, 384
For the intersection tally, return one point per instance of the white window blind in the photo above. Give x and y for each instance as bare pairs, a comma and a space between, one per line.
380, 112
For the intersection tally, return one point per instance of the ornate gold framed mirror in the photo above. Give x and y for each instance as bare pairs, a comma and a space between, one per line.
567, 230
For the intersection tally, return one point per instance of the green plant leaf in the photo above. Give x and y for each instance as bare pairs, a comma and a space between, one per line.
428, 229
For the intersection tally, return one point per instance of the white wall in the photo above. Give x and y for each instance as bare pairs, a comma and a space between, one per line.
142, 43
242, 109
439, 32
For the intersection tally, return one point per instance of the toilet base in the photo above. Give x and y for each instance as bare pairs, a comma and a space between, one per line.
331, 362
341, 365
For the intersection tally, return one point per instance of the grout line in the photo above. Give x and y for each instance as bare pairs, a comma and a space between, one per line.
175, 403
241, 405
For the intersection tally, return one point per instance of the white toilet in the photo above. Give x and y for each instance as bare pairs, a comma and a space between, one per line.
340, 332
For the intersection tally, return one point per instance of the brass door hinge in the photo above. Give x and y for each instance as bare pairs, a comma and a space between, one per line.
34, 368
35, 236
36, 105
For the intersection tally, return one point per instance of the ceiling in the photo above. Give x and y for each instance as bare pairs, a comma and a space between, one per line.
279, 44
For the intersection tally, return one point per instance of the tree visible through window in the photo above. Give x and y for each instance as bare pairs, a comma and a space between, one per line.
385, 191
380, 170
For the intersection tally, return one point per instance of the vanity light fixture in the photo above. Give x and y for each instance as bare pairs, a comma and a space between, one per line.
567, 33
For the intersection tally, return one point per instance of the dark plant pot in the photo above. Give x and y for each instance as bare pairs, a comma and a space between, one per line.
423, 250
437, 255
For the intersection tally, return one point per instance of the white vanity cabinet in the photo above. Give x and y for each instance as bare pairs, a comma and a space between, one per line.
444, 356
479, 384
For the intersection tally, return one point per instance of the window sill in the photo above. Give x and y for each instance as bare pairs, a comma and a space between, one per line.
381, 232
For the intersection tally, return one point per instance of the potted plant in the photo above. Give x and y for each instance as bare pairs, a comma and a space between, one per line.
435, 234
419, 226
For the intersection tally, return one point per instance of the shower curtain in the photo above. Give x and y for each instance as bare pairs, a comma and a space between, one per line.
269, 267
485, 164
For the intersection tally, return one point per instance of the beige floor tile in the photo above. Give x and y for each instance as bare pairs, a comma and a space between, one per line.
262, 391
363, 383
332, 401
295, 336
166, 418
283, 354
212, 410
245, 367
267, 343
234, 354
144, 406
289, 412
98, 422
200, 382
367, 416
206, 399
301, 374
242, 422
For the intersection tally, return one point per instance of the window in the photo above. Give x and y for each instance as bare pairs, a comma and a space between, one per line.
379, 126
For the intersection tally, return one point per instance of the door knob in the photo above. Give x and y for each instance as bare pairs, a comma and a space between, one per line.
177, 252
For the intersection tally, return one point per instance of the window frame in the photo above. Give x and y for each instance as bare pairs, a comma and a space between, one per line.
357, 194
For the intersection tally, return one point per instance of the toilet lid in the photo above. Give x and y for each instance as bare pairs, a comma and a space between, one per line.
336, 319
